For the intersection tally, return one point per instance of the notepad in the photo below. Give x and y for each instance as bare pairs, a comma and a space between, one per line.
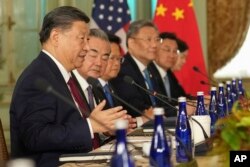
92, 156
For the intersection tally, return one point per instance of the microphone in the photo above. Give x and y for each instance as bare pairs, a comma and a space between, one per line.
96, 83
131, 81
206, 83
196, 69
44, 85
159, 96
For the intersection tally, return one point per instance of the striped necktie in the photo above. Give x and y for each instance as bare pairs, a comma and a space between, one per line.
108, 95
167, 85
96, 140
150, 85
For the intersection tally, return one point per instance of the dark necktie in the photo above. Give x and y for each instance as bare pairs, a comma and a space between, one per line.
167, 85
150, 85
96, 140
108, 95
77, 97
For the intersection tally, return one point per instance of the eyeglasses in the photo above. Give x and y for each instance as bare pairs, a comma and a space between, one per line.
118, 59
170, 50
149, 39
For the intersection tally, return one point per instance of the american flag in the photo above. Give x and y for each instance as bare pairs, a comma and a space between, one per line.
112, 16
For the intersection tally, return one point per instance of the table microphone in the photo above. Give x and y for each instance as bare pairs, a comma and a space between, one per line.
159, 96
196, 69
44, 85
96, 83
131, 81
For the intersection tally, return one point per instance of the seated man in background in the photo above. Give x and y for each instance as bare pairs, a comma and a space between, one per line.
94, 65
161, 68
166, 82
182, 55
142, 42
111, 71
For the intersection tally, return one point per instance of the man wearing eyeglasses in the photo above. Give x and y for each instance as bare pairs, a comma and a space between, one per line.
142, 42
94, 65
165, 80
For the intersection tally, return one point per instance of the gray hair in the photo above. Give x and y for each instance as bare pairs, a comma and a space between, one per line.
98, 33
137, 25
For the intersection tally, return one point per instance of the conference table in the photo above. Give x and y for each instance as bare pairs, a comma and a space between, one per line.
136, 142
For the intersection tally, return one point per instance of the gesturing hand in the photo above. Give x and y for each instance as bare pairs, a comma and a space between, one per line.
104, 120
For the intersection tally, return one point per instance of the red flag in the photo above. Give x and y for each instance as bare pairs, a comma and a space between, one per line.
178, 16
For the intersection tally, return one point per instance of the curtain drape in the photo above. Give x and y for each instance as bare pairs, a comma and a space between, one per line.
227, 22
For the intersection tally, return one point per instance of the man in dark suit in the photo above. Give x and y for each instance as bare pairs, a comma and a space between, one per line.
165, 80
142, 41
167, 83
42, 125
112, 69
105, 88
183, 51
94, 66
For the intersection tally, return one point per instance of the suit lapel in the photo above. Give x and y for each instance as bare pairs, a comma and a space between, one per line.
139, 77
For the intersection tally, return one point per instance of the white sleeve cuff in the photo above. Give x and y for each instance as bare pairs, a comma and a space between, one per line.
90, 128
139, 121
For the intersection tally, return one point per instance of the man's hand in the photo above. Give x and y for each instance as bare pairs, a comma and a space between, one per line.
207, 100
149, 113
131, 123
191, 107
104, 120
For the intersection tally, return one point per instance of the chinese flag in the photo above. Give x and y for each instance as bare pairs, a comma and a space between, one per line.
178, 16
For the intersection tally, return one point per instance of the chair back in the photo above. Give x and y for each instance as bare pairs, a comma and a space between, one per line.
4, 156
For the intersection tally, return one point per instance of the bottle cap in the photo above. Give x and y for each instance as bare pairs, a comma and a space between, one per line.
182, 99
158, 111
221, 84
21, 162
228, 82
121, 124
200, 93
213, 88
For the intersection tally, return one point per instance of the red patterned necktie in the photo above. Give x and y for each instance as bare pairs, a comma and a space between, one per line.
96, 140
83, 107
77, 97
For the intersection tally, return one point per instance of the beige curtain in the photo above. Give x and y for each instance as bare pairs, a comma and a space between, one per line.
228, 22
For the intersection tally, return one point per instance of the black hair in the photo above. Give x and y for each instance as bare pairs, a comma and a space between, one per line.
168, 35
182, 45
62, 17
114, 38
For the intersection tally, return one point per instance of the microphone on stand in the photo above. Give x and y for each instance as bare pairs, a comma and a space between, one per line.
132, 82
159, 96
95, 82
196, 69
206, 83
44, 85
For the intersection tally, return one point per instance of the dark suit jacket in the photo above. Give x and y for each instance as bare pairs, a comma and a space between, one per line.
100, 96
176, 89
131, 94
42, 125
